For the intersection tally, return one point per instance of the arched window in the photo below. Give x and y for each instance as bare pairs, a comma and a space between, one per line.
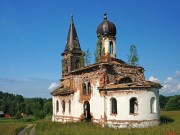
63, 106
77, 64
57, 106
152, 105
111, 47
133, 105
87, 114
69, 106
84, 88
113, 106
89, 88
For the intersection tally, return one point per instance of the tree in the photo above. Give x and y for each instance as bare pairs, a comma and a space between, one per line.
133, 57
81, 58
39, 114
48, 107
98, 49
173, 103
163, 101
87, 56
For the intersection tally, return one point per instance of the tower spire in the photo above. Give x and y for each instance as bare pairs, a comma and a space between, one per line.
72, 43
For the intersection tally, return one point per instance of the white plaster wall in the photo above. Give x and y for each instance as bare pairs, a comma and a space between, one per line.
123, 106
76, 106
96, 102
100, 104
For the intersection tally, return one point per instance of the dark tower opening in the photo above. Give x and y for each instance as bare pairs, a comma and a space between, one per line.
87, 115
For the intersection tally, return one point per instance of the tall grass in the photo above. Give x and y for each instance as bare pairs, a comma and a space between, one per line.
171, 126
10, 126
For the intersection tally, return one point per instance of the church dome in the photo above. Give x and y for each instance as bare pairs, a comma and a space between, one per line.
106, 28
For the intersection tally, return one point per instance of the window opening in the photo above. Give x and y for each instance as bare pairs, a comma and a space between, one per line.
63, 106
69, 106
133, 105
152, 104
113, 106
57, 106
111, 47
77, 64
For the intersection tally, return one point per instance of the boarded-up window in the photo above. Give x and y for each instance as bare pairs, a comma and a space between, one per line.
113, 106
133, 105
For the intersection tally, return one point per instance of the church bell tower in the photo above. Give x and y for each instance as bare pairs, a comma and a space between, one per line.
106, 33
72, 55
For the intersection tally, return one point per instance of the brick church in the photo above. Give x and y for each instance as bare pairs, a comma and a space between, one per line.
109, 92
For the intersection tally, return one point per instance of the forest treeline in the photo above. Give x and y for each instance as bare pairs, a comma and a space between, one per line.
17, 104
40, 107
169, 103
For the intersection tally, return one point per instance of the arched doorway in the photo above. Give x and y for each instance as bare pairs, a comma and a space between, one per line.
87, 114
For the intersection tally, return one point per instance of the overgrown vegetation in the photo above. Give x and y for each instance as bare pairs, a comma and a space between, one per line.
11, 126
170, 122
98, 50
133, 56
170, 125
87, 57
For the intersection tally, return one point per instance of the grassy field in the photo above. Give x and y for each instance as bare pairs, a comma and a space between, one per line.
170, 126
10, 126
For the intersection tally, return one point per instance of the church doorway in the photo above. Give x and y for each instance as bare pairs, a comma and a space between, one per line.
87, 114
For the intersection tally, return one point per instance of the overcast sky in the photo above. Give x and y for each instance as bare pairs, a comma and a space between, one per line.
33, 35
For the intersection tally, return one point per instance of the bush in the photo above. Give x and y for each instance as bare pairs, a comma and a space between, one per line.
18, 115
39, 115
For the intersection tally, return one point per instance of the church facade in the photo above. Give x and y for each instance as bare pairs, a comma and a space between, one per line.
109, 92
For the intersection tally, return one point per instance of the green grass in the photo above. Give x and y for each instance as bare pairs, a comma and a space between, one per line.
169, 126
10, 126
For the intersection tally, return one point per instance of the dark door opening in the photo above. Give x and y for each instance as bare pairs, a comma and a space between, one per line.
87, 115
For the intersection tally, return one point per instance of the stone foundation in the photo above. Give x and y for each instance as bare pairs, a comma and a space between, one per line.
109, 123
133, 124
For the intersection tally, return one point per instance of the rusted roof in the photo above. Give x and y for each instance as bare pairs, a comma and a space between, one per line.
62, 91
140, 84
112, 62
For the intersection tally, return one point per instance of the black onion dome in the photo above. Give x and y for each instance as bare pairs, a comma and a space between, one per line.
106, 28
